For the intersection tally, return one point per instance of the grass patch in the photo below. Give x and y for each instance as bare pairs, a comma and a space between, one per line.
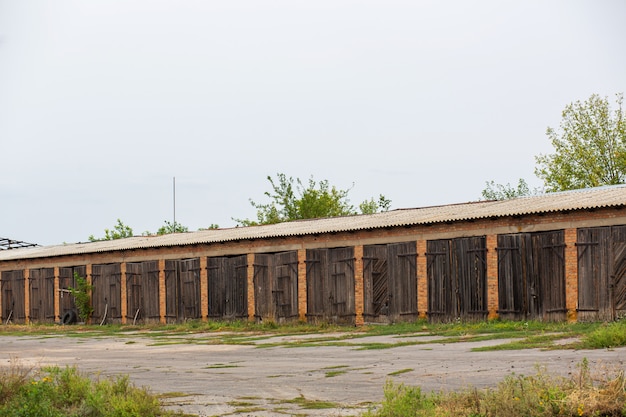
336, 367
331, 371
380, 346
545, 341
251, 409
401, 371
330, 374
583, 394
173, 394
605, 336
188, 327
529, 334
221, 366
241, 404
310, 404
56, 392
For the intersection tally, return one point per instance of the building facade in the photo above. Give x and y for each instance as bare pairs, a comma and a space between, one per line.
556, 257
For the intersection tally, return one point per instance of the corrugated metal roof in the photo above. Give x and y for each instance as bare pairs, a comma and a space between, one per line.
612, 196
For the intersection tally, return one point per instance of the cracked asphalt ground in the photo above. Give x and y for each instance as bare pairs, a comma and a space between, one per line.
260, 376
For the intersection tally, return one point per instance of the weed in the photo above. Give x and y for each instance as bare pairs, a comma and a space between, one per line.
401, 400
56, 392
331, 374
539, 395
173, 394
221, 366
400, 372
240, 403
82, 297
608, 335
310, 404
530, 334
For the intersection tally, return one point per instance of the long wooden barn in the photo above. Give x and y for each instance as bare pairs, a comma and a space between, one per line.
558, 256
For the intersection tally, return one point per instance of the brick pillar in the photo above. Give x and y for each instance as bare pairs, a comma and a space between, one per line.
302, 306
251, 307
571, 274
422, 280
89, 279
204, 288
358, 285
162, 309
26, 274
57, 294
492, 276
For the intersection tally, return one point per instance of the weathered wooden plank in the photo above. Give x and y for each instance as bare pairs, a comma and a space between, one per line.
106, 293
594, 302
228, 287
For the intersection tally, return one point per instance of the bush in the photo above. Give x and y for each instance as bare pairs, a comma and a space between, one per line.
82, 297
607, 336
581, 395
404, 401
56, 392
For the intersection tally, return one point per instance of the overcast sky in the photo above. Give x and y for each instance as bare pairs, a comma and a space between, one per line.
103, 102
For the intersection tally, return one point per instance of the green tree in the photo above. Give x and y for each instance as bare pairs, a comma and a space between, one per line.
590, 147
119, 231
372, 206
495, 191
172, 227
212, 226
293, 200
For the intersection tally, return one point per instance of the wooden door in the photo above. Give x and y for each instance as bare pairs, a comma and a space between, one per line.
285, 276
106, 295
330, 285
341, 295
512, 279
264, 305
316, 283
142, 291
13, 293
618, 279
67, 280
549, 275
228, 287
472, 277
402, 261
189, 281
276, 286
182, 289
441, 287
594, 274
41, 282
375, 283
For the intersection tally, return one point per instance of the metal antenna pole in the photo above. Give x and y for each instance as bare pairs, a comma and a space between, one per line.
174, 190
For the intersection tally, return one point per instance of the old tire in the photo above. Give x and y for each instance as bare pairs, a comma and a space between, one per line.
69, 317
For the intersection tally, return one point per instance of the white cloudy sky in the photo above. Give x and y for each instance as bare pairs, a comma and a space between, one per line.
103, 102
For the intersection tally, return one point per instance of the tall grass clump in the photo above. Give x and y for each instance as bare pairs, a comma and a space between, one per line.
608, 335
405, 401
57, 392
541, 395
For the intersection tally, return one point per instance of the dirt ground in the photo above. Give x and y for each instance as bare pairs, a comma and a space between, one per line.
208, 379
